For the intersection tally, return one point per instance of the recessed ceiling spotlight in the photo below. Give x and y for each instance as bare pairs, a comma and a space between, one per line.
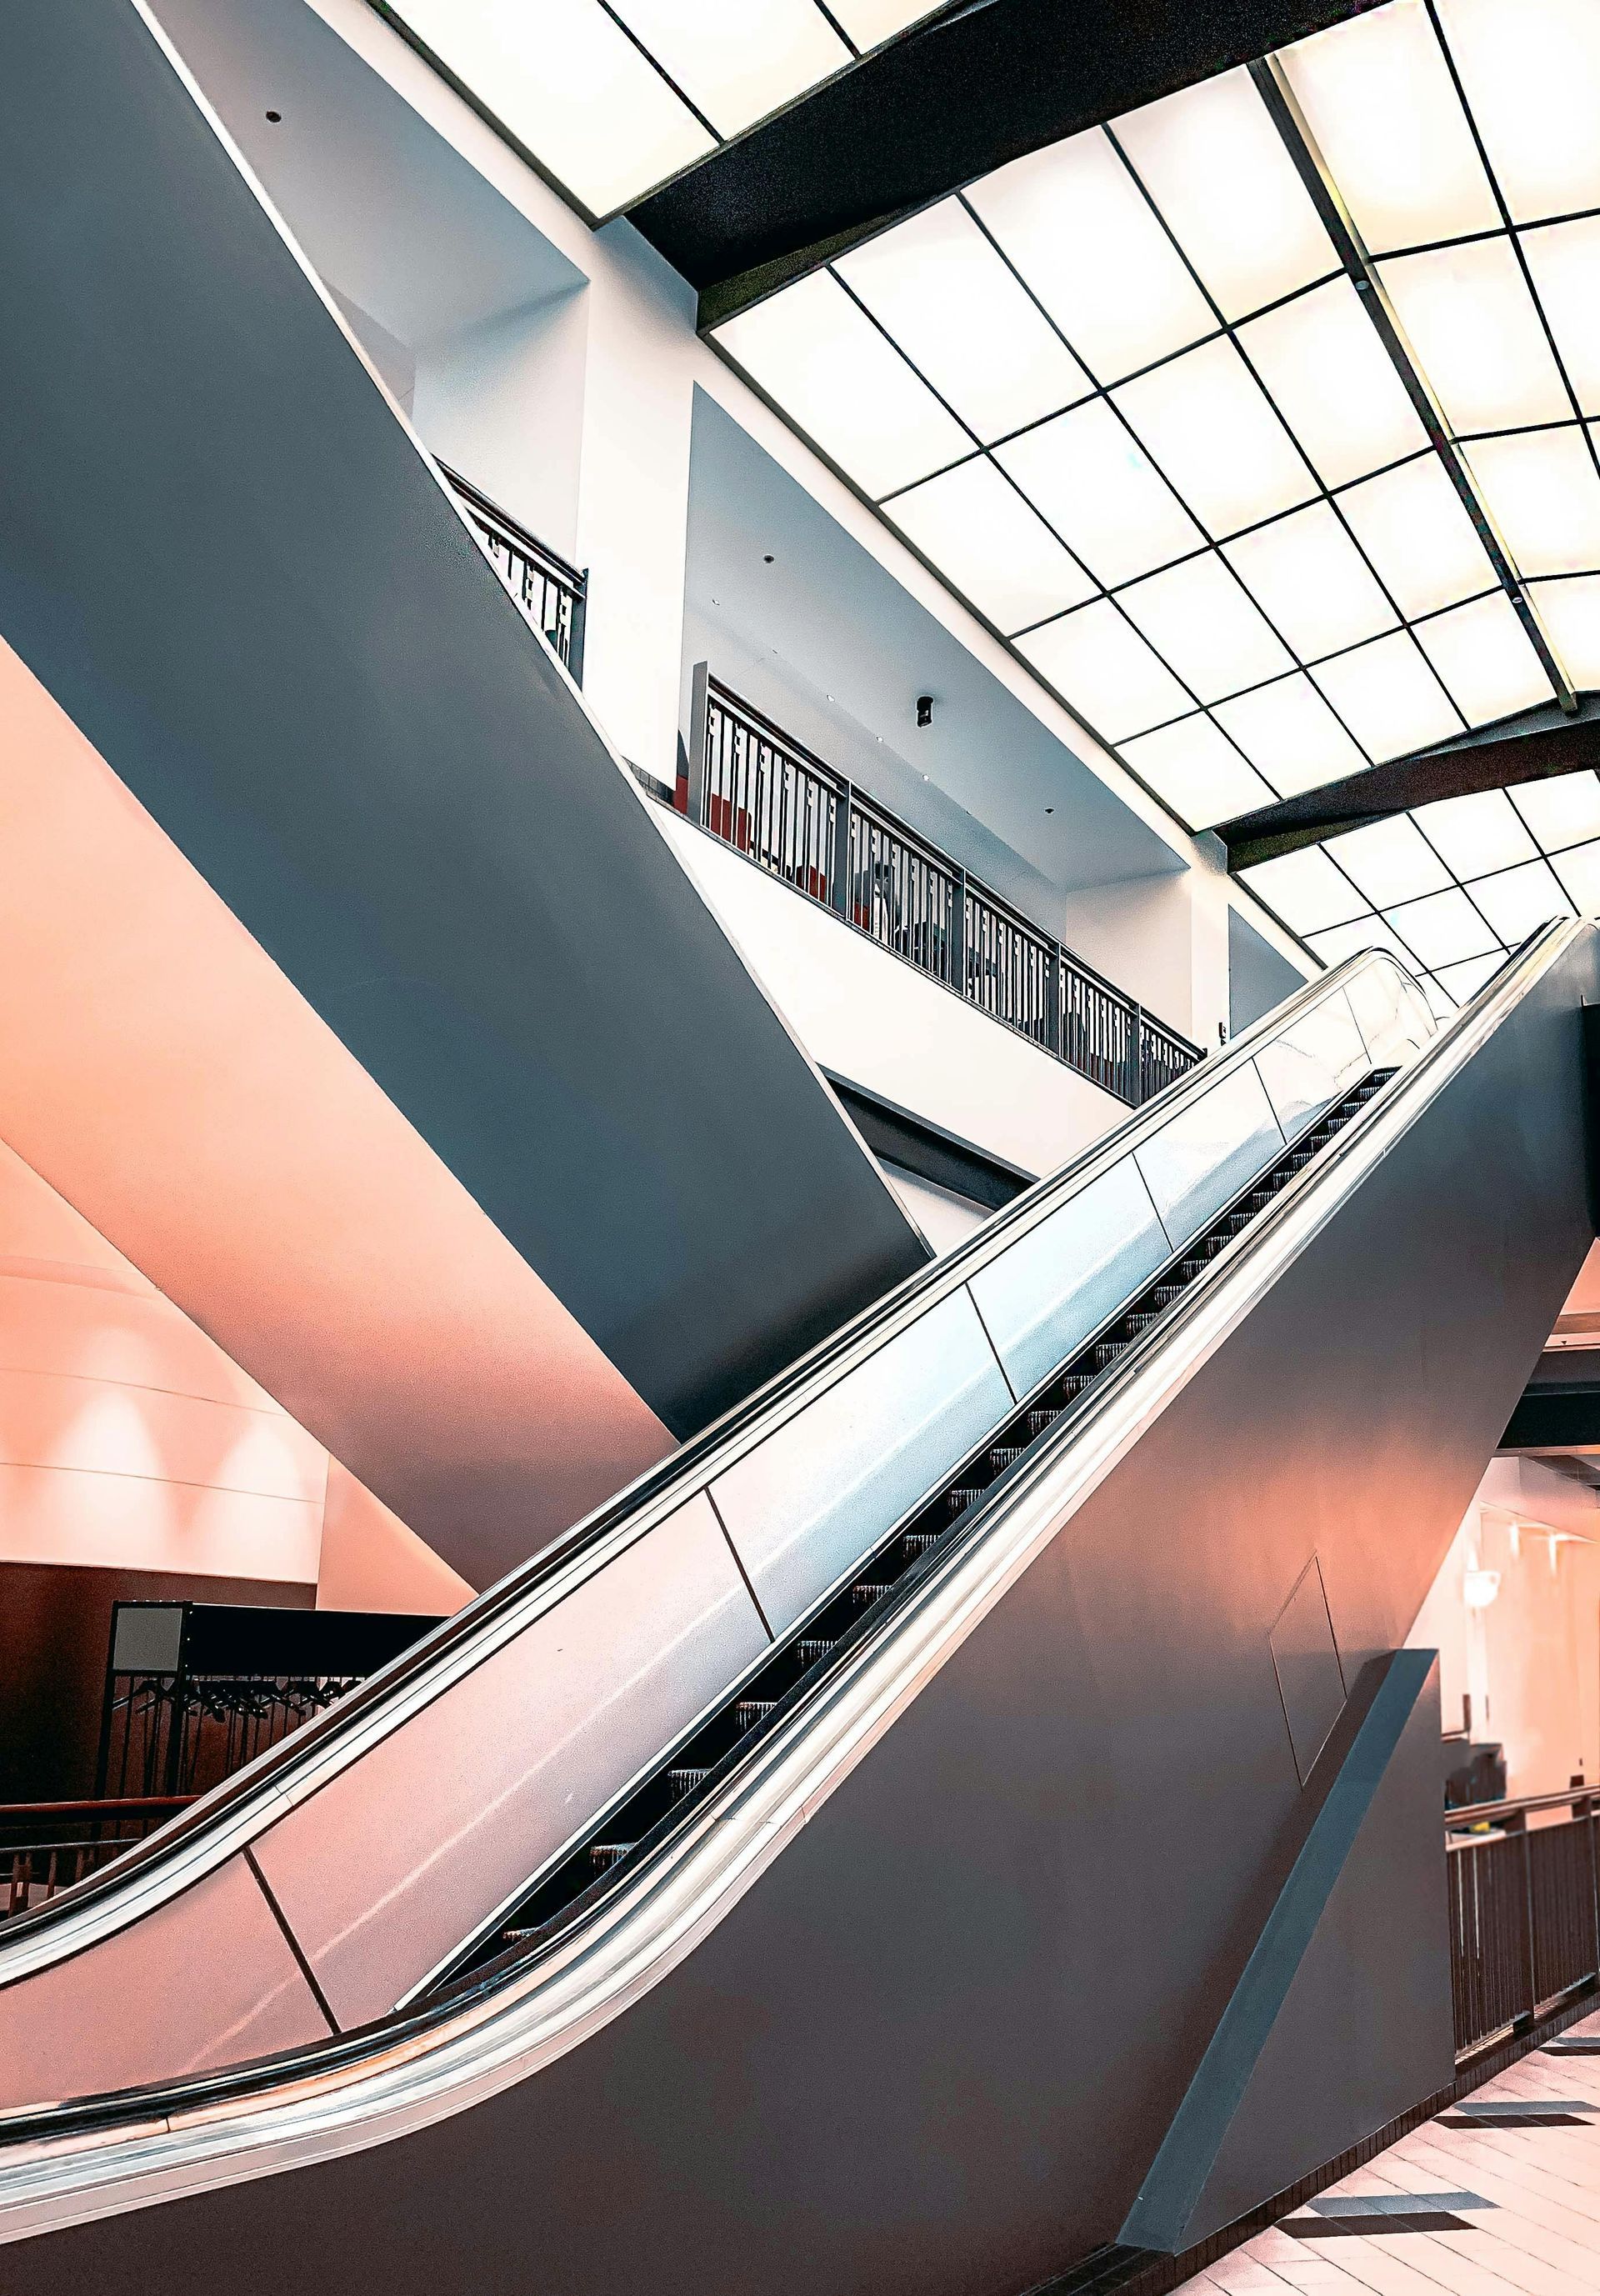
274, 117
924, 710
767, 558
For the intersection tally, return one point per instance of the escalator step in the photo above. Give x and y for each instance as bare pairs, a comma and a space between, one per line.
1107, 1352
865, 1595
683, 1782
920, 1541
749, 1712
956, 1502
1141, 1320
1003, 1457
604, 1855
811, 1648
1037, 1421
1166, 1293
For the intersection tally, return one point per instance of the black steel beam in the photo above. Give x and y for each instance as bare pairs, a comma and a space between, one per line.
954, 98
1535, 748
1554, 1419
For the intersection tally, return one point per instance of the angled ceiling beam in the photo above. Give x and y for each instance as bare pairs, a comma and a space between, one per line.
1272, 84
949, 100
1534, 747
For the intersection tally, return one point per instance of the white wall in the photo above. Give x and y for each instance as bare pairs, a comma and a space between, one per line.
1530, 1662
875, 1021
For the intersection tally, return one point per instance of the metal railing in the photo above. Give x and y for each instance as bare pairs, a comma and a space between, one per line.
46, 1846
1524, 1906
550, 593
772, 801
196, 1690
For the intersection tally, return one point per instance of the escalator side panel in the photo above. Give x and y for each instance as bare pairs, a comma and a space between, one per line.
937, 2043
224, 555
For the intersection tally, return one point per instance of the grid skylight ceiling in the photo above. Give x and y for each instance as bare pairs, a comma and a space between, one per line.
1129, 395
612, 97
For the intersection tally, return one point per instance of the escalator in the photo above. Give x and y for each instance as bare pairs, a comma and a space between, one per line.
824, 1868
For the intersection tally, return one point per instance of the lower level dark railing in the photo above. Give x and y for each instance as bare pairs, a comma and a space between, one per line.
760, 793
46, 1846
1524, 1911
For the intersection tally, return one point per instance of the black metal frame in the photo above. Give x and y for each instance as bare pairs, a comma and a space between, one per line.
1524, 1913
755, 788
552, 594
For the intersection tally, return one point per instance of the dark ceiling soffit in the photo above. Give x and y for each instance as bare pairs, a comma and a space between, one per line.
1530, 752
937, 108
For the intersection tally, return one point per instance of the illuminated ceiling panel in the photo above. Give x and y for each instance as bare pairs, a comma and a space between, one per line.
1330, 498
613, 97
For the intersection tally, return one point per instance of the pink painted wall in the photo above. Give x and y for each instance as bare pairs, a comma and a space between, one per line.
158, 1070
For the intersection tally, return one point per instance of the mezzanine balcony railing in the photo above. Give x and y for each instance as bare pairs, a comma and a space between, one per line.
772, 801
550, 593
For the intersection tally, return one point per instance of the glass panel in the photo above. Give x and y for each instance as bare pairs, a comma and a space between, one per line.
737, 59
1305, 890
1443, 928
1388, 861
1080, 231
1289, 731
1308, 576
1377, 97
1531, 73
1474, 835
823, 1487
1560, 811
1412, 524
1104, 669
1203, 1155
575, 90
1312, 1064
1486, 660
1472, 327
1100, 492
1388, 697
1333, 383
1520, 900
977, 528
1199, 773
1569, 611
1217, 169
833, 374
959, 315
1041, 1299
1212, 431
1204, 625
1544, 495
1564, 259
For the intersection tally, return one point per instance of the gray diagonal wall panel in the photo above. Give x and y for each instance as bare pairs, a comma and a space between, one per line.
225, 558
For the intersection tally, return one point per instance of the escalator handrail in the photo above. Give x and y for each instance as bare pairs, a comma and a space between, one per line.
407, 2072
242, 1806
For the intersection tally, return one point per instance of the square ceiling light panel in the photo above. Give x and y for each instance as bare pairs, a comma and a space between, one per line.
570, 87
1377, 96
1388, 696
836, 373
1289, 735
1321, 359
979, 529
1365, 932
939, 289
1308, 891
1560, 811
1530, 71
1543, 493
1308, 577
1097, 657
1475, 330
612, 99
1518, 901
1099, 490
1564, 261
1444, 929
1201, 621
1570, 612
1419, 536
1579, 869
1461, 982
1196, 770
1211, 430
1476, 834
1084, 237
1388, 861
1485, 659
1220, 175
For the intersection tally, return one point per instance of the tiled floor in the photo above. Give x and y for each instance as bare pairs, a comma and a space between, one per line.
1519, 2197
